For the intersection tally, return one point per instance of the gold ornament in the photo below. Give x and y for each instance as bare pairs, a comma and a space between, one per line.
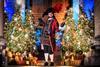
26, 35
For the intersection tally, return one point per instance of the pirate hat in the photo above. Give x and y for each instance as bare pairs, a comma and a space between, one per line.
49, 10
45, 13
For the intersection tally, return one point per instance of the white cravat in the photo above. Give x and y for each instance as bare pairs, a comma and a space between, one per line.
62, 28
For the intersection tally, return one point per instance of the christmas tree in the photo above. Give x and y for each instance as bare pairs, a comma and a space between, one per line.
77, 37
19, 36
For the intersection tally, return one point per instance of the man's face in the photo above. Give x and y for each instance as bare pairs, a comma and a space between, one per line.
50, 14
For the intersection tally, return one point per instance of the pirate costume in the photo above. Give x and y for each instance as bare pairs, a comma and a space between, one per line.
48, 35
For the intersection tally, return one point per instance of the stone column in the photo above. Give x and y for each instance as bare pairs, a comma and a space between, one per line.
1, 28
95, 59
1, 24
1, 18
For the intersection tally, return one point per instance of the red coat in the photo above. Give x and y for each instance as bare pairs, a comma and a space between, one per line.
54, 27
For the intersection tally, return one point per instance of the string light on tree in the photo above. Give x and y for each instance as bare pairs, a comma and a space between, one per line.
19, 34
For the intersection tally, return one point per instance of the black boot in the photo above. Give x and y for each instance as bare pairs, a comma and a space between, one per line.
46, 64
51, 63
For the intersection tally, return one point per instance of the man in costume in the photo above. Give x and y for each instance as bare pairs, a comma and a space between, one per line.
48, 38
39, 30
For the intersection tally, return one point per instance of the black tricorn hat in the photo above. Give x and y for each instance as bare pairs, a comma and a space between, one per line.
49, 10
45, 13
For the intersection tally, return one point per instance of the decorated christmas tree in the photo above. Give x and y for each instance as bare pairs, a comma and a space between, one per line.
19, 36
78, 37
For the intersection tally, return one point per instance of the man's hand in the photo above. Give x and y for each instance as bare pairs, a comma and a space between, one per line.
42, 47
